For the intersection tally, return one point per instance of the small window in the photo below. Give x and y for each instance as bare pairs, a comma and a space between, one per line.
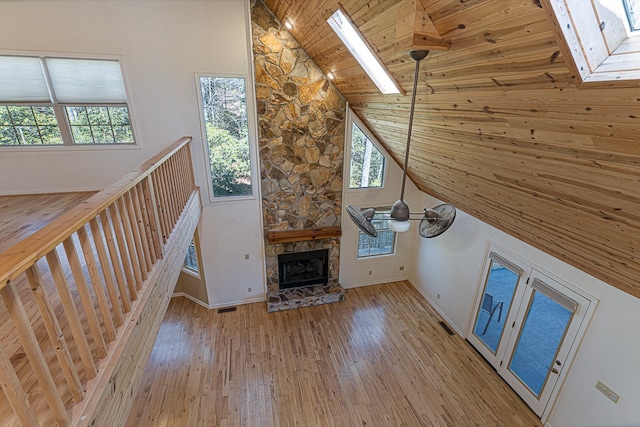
191, 260
224, 105
367, 162
62, 101
384, 244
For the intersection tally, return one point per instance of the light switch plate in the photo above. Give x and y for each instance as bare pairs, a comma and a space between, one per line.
613, 396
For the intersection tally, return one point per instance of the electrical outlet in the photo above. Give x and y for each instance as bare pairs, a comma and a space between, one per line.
246, 256
402, 268
438, 296
613, 396
370, 272
249, 289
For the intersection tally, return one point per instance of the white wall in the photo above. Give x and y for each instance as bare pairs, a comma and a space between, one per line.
353, 271
161, 44
449, 265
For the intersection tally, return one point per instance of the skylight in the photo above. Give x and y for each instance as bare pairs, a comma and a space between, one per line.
363, 54
632, 7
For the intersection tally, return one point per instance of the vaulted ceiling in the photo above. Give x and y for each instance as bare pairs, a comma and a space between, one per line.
501, 129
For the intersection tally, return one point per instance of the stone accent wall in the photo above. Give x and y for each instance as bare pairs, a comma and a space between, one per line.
301, 136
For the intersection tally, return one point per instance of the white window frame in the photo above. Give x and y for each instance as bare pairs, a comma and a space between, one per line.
59, 108
352, 118
251, 129
187, 269
596, 39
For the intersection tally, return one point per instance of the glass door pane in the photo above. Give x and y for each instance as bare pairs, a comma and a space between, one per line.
493, 311
544, 328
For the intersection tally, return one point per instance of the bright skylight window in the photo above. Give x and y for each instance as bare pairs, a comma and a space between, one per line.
632, 7
363, 54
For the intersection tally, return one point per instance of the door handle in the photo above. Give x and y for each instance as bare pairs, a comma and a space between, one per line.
554, 370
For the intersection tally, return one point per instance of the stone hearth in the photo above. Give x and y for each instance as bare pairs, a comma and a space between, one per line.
287, 299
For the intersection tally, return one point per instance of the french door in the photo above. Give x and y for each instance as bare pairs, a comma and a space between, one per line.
527, 326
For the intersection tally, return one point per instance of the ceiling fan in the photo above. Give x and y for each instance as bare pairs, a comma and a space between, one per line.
433, 222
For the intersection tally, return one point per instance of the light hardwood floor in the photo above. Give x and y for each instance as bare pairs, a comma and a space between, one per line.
23, 215
378, 359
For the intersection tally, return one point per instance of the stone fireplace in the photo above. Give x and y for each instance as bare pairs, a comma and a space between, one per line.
303, 269
301, 119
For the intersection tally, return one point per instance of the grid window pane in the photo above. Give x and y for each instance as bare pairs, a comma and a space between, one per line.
5, 117
103, 135
21, 115
101, 116
45, 116
384, 244
82, 134
8, 135
28, 125
77, 116
100, 125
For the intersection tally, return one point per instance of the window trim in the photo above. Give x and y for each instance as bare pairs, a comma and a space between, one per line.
252, 136
59, 108
352, 118
609, 46
196, 246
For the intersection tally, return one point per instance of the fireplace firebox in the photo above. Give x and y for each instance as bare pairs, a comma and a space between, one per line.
303, 269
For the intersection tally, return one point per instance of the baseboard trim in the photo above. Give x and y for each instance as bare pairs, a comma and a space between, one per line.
436, 308
216, 306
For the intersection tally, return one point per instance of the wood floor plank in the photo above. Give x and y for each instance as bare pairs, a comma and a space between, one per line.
23, 215
379, 358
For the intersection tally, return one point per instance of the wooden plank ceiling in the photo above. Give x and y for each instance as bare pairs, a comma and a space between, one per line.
501, 130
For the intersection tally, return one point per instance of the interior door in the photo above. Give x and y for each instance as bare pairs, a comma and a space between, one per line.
525, 326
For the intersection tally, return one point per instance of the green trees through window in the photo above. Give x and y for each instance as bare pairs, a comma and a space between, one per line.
224, 106
367, 162
62, 101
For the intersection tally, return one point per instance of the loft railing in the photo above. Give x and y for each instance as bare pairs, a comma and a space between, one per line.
83, 293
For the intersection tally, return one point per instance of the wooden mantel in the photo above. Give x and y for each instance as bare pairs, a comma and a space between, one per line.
287, 236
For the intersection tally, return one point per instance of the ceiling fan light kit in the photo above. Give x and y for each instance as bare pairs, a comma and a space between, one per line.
433, 222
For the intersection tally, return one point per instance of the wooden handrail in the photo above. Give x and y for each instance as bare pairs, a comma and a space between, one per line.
100, 276
22, 255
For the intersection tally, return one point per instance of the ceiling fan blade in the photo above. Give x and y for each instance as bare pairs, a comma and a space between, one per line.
437, 220
362, 218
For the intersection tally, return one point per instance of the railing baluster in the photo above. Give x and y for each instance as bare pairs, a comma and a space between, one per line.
85, 296
116, 224
146, 218
134, 256
98, 286
122, 233
98, 240
55, 333
72, 314
14, 392
150, 199
167, 171
162, 205
107, 229
169, 196
138, 233
34, 353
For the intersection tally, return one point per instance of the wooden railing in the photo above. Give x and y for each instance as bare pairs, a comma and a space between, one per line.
83, 293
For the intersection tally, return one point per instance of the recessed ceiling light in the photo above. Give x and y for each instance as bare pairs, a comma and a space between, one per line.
288, 24
330, 75
361, 51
